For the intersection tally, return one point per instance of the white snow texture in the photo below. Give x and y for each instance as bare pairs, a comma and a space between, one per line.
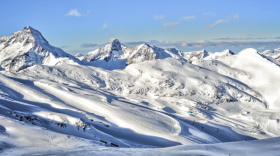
146, 100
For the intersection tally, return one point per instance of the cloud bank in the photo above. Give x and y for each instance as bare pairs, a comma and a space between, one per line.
235, 16
64, 46
88, 45
205, 44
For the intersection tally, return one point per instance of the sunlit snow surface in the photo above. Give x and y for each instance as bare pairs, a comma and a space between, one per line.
140, 101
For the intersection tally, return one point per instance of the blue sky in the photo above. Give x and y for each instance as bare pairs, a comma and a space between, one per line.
83, 26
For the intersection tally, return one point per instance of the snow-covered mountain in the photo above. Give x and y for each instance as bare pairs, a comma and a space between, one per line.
273, 53
141, 53
217, 55
107, 57
79, 55
116, 55
28, 47
145, 97
147, 52
106, 52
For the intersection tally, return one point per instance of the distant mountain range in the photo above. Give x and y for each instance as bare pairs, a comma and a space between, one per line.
28, 47
146, 98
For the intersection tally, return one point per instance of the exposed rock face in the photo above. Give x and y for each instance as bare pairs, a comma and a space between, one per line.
146, 52
195, 55
228, 52
142, 53
105, 52
28, 47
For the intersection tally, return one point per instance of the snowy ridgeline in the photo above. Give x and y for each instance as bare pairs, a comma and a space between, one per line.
54, 103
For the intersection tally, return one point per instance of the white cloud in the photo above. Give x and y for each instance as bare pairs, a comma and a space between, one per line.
158, 16
64, 46
187, 18
206, 43
75, 12
236, 16
170, 24
214, 24
247, 38
88, 45
105, 25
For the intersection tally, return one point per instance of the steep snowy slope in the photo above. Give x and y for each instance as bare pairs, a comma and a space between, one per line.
28, 47
261, 74
152, 99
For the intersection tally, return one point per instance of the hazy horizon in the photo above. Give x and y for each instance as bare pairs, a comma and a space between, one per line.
186, 25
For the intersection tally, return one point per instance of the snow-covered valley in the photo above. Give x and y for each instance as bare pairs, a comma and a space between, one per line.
144, 100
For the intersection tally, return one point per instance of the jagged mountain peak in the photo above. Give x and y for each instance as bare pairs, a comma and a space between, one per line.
28, 35
228, 52
196, 55
28, 47
203, 50
29, 29
146, 44
116, 45
105, 52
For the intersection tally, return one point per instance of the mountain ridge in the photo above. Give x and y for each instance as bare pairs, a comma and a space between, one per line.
28, 47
